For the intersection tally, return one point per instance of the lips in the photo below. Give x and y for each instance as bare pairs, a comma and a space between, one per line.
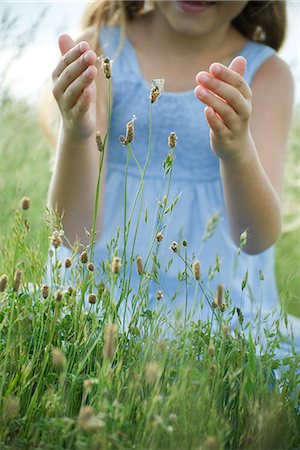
195, 6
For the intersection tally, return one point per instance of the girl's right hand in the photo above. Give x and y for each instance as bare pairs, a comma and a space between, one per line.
74, 87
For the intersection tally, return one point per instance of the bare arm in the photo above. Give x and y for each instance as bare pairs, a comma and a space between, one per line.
252, 152
82, 98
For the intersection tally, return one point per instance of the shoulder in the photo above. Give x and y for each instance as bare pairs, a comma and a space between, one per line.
274, 78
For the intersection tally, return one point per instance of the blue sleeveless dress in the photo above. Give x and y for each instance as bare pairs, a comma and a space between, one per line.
195, 176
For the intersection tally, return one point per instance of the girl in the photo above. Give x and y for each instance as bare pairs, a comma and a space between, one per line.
232, 136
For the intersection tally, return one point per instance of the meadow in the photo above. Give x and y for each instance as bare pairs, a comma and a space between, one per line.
74, 377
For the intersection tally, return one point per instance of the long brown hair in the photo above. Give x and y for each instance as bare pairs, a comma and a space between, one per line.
260, 21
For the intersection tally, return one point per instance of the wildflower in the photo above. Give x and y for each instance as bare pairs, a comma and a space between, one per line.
116, 265
58, 358
172, 140
68, 263
92, 299
88, 421
219, 295
11, 407
106, 65
84, 257
226, 330
174, 247
152, 372
109, 347
211, 349
70, 290
45, 291
212, 369
25, 203
156, 86
223, 307
196, 269
261, 275
99, 141
172, 417
139, 265
91, 267
159, 295
129, 137
214, 304
58, 296
170, 429
56, 239
3, 282
159, 237
17, 280
244, 238
88, 384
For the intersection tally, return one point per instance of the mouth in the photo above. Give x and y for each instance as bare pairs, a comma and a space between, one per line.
195, 6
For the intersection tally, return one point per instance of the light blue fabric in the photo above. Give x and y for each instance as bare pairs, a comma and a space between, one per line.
196, 176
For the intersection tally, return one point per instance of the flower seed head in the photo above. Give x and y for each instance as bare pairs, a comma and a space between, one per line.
172, 140
159, 237
139, 265
99, 141
196, 269
92, 299
261, 275
159, 295
25, 203
58, 296
109, 347
3, 282
56, 239
58, 358
214, 304
116, 265
45, 291
106, 65
212, 369
84, 257
17, 280
91, 267
174, 247
68, 263
70, 290
156, 86
219, 294
152, 372
222, 307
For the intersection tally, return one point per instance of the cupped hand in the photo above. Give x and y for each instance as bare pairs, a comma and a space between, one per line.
74, 87
229, 104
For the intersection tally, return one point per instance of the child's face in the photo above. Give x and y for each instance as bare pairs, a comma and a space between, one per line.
196, 18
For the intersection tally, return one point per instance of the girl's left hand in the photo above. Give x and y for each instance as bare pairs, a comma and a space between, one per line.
228, 111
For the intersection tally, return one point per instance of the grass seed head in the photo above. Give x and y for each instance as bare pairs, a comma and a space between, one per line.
109, 347
154, 94
68, 263
25, 203
3, 282
214, 304
196, 269
58, 358
88, 421
84, 257
92, 299
99, 141
91, 267
212, 369
172, 140
152, 372
116, 265
17, 280
58, 296
139, 265
222, 307
226, 330
159, 237
174, 247
219, 294
56, 239
159, 295
45, 291
106, 65
70, 290
89, 383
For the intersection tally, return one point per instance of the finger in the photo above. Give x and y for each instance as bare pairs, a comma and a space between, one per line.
65, 43
214, 121
231, 77
238, 65
224, 110
84, 100
74, 70
75, 89
227, 92
70, 56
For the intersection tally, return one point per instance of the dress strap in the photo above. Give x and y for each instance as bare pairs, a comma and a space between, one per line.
256, 54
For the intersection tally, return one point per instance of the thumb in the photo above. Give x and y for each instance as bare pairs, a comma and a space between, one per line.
65, 43
238, 64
